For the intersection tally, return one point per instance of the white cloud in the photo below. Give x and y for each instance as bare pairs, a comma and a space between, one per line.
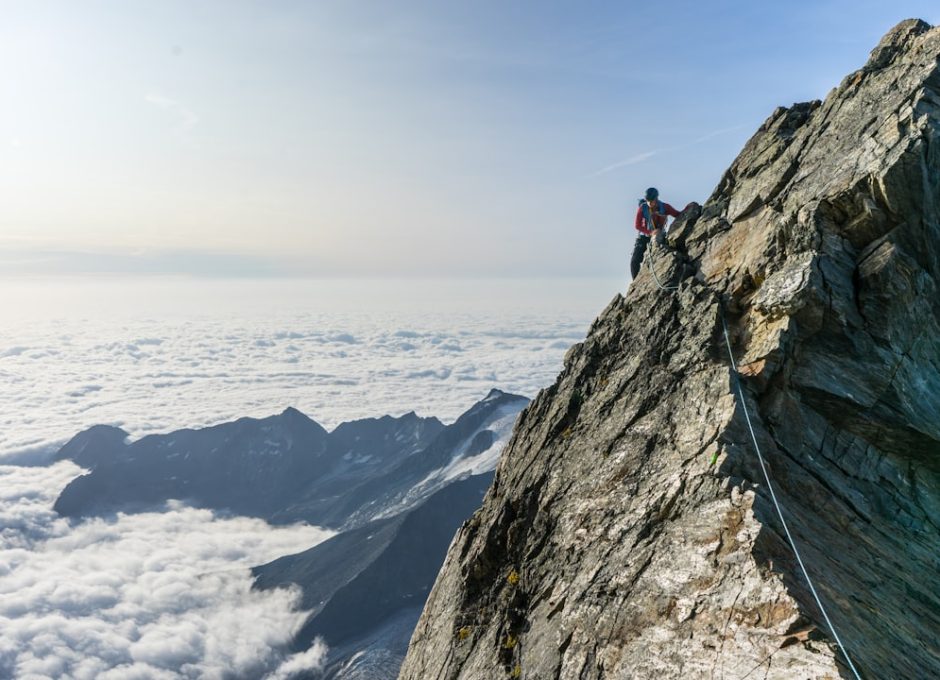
646, 155
155, 595
718, 133
632, 160
311, 660
13, 351
185, 118
146, 375
168, 595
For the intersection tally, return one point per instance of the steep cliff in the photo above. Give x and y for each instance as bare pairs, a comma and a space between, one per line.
614, 543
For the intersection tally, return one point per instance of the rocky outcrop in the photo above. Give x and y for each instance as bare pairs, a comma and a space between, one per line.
629, 532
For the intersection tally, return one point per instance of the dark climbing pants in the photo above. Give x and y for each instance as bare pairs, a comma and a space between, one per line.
639, 250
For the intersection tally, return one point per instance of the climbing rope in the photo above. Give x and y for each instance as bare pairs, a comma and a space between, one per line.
773, 497
763, 467
649, 263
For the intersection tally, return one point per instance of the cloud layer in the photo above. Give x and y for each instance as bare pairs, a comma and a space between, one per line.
156, 595
148, 375
168, 595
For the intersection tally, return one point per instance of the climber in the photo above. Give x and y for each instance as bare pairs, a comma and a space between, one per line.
655, 227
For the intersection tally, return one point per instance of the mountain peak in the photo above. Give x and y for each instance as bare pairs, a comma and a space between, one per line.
497, 394
896, 41
630, 531
96, 444
291, 412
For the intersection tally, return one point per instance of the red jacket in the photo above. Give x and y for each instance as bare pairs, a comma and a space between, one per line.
659, 219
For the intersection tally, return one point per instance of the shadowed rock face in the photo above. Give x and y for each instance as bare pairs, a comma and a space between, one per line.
610, 546
365, 587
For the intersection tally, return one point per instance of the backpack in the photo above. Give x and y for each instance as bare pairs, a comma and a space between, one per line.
661, 210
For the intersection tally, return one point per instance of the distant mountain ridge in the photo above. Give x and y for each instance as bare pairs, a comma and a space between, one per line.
284, 468
396, 488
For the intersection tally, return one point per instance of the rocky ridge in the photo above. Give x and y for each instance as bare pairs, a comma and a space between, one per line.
287, 468
629, 532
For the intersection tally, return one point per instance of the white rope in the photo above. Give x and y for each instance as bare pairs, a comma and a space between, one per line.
649, 262
763, 466
773, 497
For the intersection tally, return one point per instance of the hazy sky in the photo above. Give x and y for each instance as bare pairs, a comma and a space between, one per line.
386, 138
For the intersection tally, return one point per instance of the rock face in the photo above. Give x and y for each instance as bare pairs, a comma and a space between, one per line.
613, 542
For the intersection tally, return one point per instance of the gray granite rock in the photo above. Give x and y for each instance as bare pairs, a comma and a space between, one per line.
629, 531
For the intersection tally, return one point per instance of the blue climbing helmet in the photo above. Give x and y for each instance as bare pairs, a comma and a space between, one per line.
651, 195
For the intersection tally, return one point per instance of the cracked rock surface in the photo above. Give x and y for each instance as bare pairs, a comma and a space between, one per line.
629, 532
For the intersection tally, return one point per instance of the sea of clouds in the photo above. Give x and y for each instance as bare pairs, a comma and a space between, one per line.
168, 594
155, 376
154, 595
157, 356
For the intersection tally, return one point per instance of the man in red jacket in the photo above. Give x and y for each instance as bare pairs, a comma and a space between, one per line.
651, 216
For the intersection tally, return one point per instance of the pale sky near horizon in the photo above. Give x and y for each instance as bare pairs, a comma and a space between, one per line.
386, 139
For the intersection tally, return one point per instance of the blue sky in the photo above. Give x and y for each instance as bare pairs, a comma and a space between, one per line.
386, 139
